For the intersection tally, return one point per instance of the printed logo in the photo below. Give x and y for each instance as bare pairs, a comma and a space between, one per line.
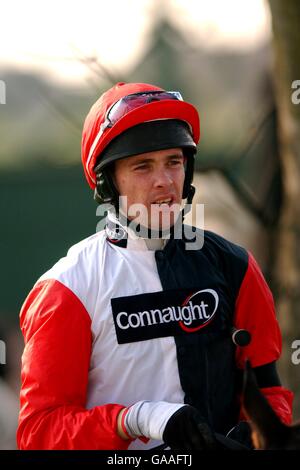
203, 314
160, 314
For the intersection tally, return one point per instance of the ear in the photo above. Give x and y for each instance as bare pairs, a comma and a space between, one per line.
268, 430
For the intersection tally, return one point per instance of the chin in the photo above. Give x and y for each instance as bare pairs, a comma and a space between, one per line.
163, 221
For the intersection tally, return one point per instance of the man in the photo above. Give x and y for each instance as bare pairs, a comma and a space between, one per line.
128, 339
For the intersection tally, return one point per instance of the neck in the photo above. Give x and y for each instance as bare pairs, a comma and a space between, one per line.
154, 244
119, 228
138, 231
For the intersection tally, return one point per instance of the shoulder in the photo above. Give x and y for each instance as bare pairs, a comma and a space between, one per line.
79, 270
225, 248
79, 257
216, 249
87, 245
71, 285
225, 257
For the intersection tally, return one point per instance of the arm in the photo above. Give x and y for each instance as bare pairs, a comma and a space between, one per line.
255, 312
55, 364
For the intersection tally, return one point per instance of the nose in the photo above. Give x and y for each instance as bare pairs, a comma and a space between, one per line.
162, 178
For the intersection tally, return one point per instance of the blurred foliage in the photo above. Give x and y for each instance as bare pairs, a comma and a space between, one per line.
231, 90
40, 121
43, 212
286, 271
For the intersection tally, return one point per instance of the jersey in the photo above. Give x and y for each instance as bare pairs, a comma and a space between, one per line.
113, 323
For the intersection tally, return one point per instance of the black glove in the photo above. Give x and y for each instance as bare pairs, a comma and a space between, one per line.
242, 434
186, 430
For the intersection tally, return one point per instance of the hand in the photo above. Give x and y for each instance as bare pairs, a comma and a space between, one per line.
186, 430
179, 426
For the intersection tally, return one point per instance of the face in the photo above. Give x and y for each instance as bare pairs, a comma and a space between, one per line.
154, 181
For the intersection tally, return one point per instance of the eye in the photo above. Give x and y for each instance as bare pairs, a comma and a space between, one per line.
141, 167
176, 162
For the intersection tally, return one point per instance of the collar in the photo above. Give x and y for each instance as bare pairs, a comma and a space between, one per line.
120, 234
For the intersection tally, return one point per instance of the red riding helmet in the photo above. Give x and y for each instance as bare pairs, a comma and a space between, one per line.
121, 108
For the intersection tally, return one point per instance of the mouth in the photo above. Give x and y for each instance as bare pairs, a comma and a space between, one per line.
163, 202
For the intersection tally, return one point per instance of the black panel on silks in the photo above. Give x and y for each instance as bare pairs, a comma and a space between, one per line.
206, 357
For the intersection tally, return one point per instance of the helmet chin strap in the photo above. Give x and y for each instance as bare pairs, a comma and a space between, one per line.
189, 200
